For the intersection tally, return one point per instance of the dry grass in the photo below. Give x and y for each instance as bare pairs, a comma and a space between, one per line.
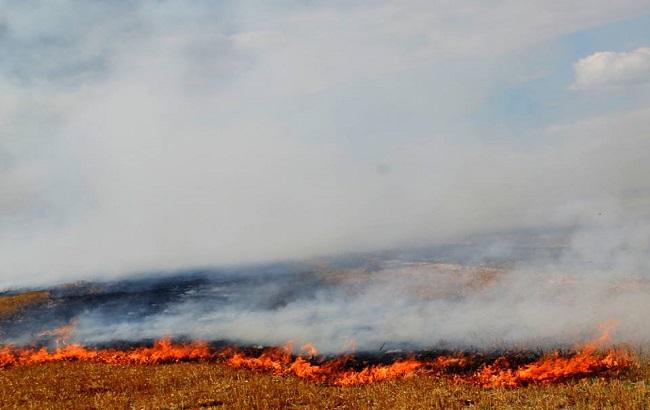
10, 304
79, 385
191, 386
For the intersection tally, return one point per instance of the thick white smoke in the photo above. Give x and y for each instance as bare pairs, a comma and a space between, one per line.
412, 306
139, 138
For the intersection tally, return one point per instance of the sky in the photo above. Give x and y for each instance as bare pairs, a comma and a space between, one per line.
166, 135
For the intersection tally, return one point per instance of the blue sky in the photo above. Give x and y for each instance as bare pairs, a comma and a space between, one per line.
172, 134
547, 99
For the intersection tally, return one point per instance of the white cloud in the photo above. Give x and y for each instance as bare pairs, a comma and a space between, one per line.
607, 69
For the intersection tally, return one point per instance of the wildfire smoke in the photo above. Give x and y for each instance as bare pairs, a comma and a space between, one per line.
345, 370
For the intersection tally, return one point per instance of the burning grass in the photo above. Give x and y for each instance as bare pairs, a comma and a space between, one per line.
345, 370
165, 374
588, 360
193, 375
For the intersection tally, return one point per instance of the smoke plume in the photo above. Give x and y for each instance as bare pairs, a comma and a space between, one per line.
178, 136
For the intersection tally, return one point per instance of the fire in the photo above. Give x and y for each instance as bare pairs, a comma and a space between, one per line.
7, 358
374, 374
343, 370
163, 351
279, 361
273, 360
553, 368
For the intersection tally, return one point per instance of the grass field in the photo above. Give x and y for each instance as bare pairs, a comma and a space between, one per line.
80, 385
10, 304
91, 385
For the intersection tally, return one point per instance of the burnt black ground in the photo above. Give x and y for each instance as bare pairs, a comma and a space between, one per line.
265, 287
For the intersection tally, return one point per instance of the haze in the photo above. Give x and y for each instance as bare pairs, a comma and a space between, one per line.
159, 136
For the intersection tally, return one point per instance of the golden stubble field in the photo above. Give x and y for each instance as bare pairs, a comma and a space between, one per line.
78, 385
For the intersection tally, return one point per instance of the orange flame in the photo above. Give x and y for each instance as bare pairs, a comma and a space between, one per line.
553, 368
279, 361
337, 371
163, 351
374, 374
